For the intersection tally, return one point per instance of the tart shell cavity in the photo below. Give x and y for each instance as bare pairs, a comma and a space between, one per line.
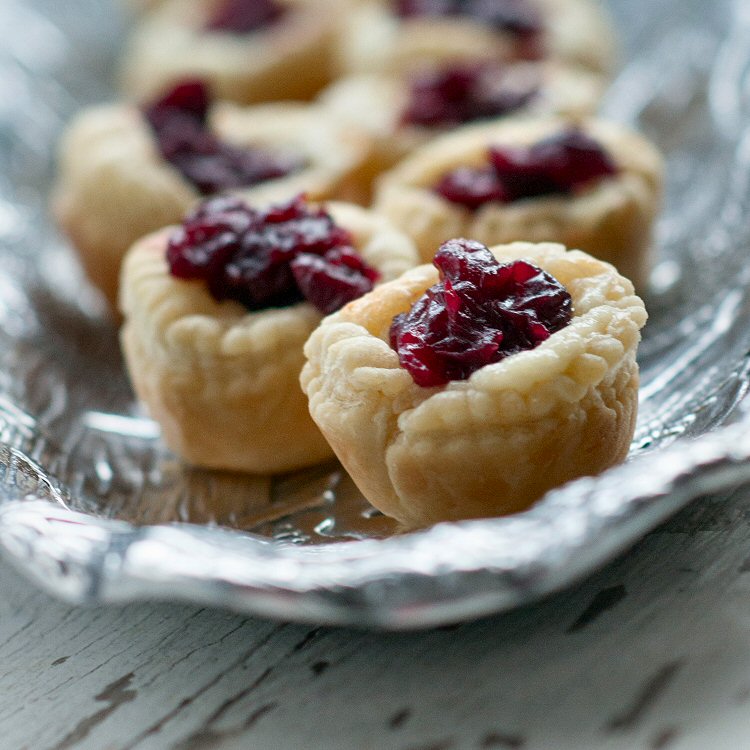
290, 59
612, 219
495, 443
222, 381
114, 187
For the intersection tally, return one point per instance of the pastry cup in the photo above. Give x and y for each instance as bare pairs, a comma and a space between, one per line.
375, 40
223, 382
290, 59
376, 104
612, 219
495, 443
114, 187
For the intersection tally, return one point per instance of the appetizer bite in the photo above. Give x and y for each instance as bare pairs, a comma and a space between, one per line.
248, 50
588, 184
471, 388
217, 310
125, 171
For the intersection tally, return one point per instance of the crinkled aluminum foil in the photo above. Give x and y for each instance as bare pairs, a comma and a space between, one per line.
96, 510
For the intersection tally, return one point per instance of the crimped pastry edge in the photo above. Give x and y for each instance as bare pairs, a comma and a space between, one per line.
350, 365
177, 335
612, 220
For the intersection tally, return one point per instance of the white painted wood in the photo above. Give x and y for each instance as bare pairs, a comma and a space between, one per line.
652, 652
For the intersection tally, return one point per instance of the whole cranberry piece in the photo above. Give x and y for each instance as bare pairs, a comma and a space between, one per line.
461, 94
480, 312
558, 165
273, 257
179, 123
333, 279
244, 16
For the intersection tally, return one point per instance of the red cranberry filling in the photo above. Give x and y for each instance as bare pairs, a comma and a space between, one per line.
463, 94
517, 17
179, 122
271, 257
555, 166
480, 312
244, 16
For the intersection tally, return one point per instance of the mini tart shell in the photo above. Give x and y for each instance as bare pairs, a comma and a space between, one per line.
290, 59
223, 382
612, 219
495, 443
375, 40
114, 187
376, 104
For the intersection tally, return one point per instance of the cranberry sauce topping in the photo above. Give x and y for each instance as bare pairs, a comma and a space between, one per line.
179, 122
480, 312
244, 16
270, 257
461, 94
518, 17
558, 165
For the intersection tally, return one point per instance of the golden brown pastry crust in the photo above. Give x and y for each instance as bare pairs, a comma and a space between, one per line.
611, 220
114, 187
223, 382
288, 60
374, 40
375, 104
495, 443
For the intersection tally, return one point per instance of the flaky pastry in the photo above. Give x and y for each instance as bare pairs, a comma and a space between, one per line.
612, 219
289, 59
114, 187
222, 381
495, 443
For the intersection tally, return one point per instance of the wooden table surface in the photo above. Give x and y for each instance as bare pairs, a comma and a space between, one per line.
652, 652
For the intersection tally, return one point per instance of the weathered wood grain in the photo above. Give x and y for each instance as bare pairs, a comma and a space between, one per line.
653, 652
